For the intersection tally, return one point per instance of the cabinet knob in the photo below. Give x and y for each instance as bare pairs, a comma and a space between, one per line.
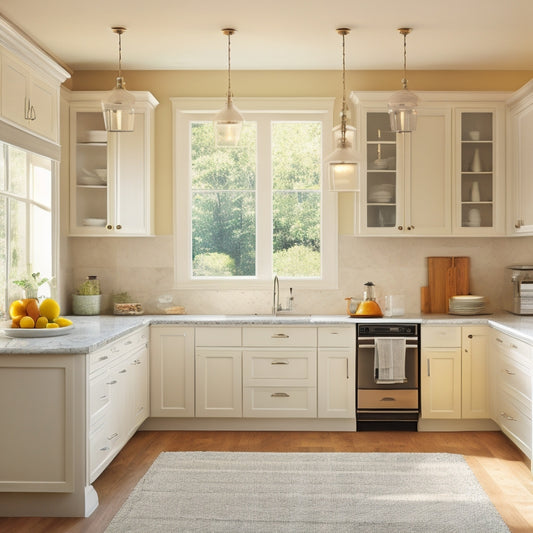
109, 226
470, 336
517, 224
400, 228
119, 226
410, 227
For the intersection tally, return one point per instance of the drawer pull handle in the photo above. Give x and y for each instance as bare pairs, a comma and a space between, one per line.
514, 346
103, 397
104, 449
388, 399
114, 436
279, 363
508, 372
279, 395
508, 417
123, 371
111, 382
103, 358
499, 340
127, 343
279, 336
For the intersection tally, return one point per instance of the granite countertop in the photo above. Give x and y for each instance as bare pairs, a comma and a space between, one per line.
93, 332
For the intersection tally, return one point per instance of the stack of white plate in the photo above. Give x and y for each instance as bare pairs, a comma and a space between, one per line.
467, 305
381, 194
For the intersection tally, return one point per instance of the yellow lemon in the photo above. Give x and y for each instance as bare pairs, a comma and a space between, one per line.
27, 322
17, 308
49, 308
51, 325
62, 321
42, 321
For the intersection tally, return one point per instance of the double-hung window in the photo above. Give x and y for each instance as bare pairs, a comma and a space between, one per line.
247, 213
26, 220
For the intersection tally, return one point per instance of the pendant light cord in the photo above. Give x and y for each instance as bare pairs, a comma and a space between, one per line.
405, 32
120, 54
343, 32
229, 66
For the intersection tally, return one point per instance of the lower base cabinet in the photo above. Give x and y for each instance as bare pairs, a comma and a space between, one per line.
510, 378
454, 372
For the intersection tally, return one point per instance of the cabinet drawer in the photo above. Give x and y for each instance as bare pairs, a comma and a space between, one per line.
437, 337
98, 393
110, 352
390, 399
336, 337
279, 402
102, 445
218, 336
514, 417
284, 367
279, 336
511, 373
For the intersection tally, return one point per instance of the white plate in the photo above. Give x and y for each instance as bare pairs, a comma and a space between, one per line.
94, 221
37, 332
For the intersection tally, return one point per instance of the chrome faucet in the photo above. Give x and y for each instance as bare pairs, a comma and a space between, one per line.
276, 306
275, 302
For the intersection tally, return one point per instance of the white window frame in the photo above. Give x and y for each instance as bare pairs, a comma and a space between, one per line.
185, 110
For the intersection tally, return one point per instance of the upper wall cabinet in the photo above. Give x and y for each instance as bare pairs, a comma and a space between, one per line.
520, 161
445, 178
110, 173
29, 89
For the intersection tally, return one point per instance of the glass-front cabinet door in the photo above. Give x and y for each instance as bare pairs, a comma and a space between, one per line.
479, 206
380, 188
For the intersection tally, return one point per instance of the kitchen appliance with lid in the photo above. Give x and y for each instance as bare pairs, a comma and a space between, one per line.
518, 291
369, 308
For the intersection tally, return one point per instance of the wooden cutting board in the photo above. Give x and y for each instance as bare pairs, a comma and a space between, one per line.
447, 277
437, 281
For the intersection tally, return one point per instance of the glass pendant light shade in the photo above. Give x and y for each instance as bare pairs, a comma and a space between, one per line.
118, 107
402, 111
343, 163
228, 121
228, 125
402, 104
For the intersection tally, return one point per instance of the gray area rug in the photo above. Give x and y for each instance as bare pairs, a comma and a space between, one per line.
308, 492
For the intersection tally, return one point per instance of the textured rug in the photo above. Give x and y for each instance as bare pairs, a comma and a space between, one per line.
308, 492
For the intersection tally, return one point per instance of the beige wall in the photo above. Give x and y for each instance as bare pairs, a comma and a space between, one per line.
144, 266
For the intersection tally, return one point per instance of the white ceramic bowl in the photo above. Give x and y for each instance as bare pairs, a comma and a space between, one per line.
101, 172
89, 180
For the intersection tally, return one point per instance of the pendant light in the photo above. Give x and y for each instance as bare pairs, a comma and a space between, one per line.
118, 107
343, 165
402, 104
228, 121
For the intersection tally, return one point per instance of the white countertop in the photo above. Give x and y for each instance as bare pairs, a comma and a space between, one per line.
93, 332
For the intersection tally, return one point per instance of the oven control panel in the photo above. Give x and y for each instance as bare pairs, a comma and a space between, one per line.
387, 330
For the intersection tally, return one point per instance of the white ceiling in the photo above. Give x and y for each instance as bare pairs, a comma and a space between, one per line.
280, 34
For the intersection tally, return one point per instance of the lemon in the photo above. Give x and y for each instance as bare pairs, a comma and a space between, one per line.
51, 325
27, 322
17, 308
49, 308
42, 321
62, 321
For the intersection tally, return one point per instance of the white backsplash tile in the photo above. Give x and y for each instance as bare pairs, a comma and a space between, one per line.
144, 268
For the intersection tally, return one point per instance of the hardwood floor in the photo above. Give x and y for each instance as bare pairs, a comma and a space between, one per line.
499, 466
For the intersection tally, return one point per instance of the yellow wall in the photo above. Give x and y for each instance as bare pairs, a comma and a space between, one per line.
166, 84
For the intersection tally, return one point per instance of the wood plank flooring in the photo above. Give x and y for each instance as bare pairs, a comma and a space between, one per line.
499, 466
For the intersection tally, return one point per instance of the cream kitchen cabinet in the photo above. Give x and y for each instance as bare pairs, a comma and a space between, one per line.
111, 174
279, 372
440, 375
218, 372
454, 372
28, 100
118, 397
520, 161
171, 371
336, 372
421, 183
511, 371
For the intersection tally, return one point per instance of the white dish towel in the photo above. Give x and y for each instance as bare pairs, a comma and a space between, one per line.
389, 360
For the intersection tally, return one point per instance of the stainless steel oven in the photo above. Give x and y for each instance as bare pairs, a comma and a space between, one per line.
388, 403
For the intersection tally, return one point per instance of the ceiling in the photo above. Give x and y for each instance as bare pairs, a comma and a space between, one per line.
280, 34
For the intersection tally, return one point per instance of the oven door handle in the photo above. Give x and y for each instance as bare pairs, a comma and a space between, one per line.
373, 346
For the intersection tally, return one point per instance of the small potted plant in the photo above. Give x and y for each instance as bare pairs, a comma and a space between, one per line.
32, 284
87, 299
123, 304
